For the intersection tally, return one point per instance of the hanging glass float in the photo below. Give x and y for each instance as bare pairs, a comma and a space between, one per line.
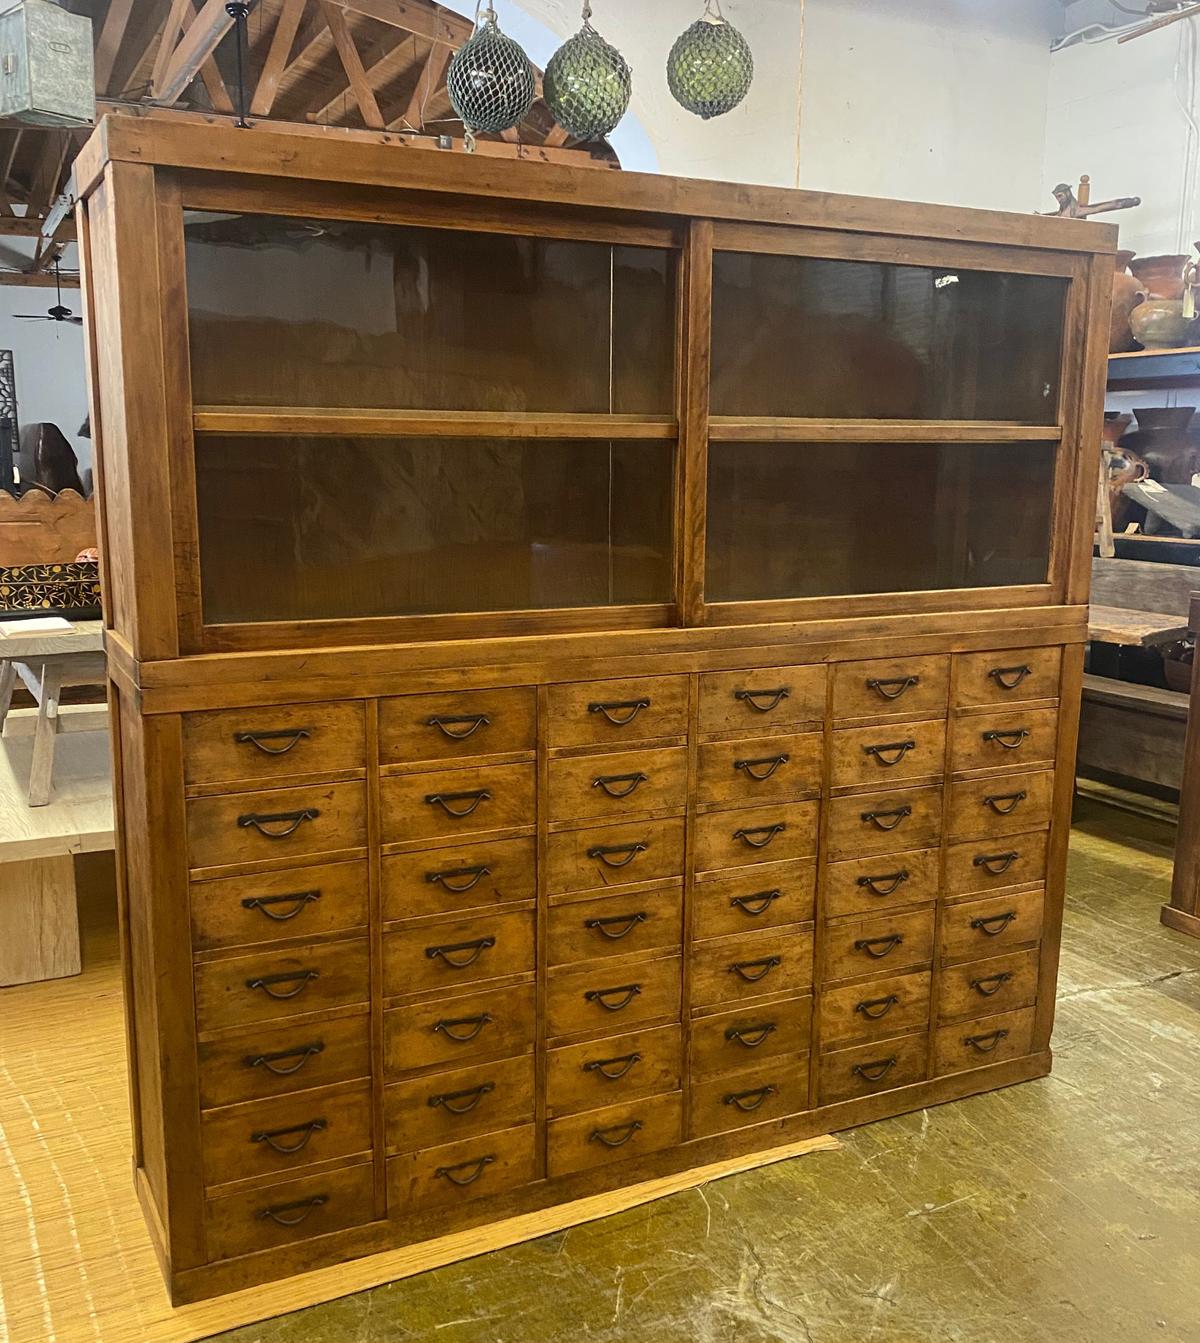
711, 67
490, 81
588, 83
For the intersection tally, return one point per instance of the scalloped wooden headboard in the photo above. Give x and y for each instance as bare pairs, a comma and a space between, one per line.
42, 529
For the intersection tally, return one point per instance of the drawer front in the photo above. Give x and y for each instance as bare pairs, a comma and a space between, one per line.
747, 1037
449, 953
870, 823
888, 753
616, 1133
975, 1044
982, 866
980, 808
1004, 740
615, 713
917, 687
762, 699
282, 1135
984, 988
456, 725
283, 824
733, 969
885, 944
273, 744
440, 1108
282, 1214
614, 855
988, 927
617, 784
1007, 675
450, 803
272, 985
769, 1090
869, 885
874, 1011
773, 834
275, 1060
614, 996
615, 925
452, 1032
468, 876
297, 902
750, 901
848, 1074
613, 1071
460, 1172
756, 770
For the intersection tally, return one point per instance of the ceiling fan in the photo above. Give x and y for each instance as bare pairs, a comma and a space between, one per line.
57, 313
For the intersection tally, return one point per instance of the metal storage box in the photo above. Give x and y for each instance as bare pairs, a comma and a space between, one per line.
47, 76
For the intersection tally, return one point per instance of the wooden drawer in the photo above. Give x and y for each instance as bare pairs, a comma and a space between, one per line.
451, 1032
754, 835
281, 1135
616, 713
274, 1060
1005, 740
984, 988
917, 687
616, 1133
271, 985
1007, 675
284, 824
888, 753
975, 1044
448, 881
988, 927
450, 803
454, 725
733, 969
615, 925
747, 1037
874, 1011
768, 1090
871, 885
439, 1108
613, 996
614, 855
871, 823
847, 1074
750, 901
617, 784
762, 699
460, 1172
613, 1071
295, 902
756, 770
447, 954
981, 866
273, 744
887, 943
980, 808
282, 1214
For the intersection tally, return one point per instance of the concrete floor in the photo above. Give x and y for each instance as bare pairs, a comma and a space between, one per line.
1066, 1209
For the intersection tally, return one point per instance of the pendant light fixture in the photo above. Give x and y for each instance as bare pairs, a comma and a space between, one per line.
490, 81
711, 67
588, 83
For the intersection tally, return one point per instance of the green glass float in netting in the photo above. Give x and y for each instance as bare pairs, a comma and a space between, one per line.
588, 83
490, 81
711, 67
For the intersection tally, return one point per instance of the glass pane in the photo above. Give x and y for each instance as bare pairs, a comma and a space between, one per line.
816, 519
812, 338
308, 312
328, 528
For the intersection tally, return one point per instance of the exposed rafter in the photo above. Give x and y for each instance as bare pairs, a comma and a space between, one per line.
282, 41
433, 72
195, 47
360, 86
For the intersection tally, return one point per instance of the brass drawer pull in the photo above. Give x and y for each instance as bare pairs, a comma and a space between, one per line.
614, 709
1014, 800
751, 1100
875, 1009
604, 1066
267, 983
1008, 678
449, 1026
473, 949
631, 783
470, 722
764, 965
302, 1054
896, 749
997, 982
622, 996
893, 687
444, 800
476, 1169
292, 821
774, 698
754, 770
298, 901
605, 852
624, 923
888, 945
443, 879
626, 1131
280, 1212
271, 1136
875, 1072
472, 1096
750, 1036
768, 833
877, 818
754, 905
1009, 739
885, 885
995, 864
995, 924
986, 1044
293, 737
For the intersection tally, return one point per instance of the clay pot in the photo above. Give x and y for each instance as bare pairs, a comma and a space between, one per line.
1128, 292
1123, 465
1162, 275
1162, 440
1159, 323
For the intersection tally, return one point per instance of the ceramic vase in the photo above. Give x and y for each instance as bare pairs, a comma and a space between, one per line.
1159, 323
1128, 292
1162, 275
1162, 440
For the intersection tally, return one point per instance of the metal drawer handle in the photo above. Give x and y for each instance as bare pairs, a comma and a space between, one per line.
893, 687
995, 864
754, 905
298, 901
764, 965
985, 1044
293, 737
994, 925
874, 1009
874, 1072
267, 982
305, 1207
1014, 800
623, 995
293, 820
449, 1026
896, 749
302, 1054
750, 1036
754, 767
470, 722
472, 1096
1008, 678
476, 875
886, 884
751, 1100
774, 698
630, 781
473, 949
614, 709
997, 982
624, 923
877, 818
444, 800
1010, 739
768, 833
626, 1131
604, 1066
271, 1137
476, 1169
888, 945
605, 852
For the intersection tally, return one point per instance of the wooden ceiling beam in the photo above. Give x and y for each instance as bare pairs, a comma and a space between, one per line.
343, 40
389, 64
180, 15
109, 39
24, 279
436, 26
428, 82
195, 47
280, 49
557, 138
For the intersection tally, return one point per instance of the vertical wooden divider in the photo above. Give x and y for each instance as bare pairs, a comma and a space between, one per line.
375, 933
694, 367
542, 932
689, 898
939, 907
818, 967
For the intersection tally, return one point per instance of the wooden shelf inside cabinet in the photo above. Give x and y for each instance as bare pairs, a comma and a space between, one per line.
1139, 370
765, 429
364, 422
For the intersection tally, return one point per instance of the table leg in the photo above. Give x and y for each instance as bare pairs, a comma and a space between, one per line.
39, 921
8, 681
42, 772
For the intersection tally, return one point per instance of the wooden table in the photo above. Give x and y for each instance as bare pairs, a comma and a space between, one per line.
1134, 629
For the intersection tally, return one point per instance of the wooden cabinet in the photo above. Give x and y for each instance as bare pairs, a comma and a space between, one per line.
595, 667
